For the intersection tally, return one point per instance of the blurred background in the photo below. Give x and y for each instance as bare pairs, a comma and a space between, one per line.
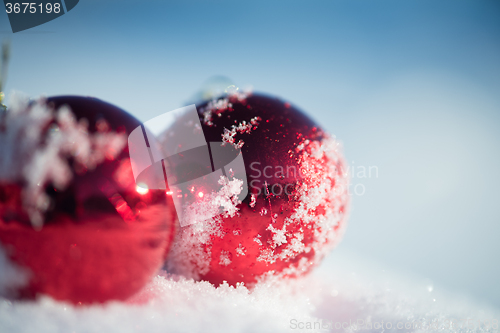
412, 88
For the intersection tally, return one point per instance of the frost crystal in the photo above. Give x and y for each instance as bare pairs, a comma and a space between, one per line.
208, 206
240, 250
36, 143
225, 258
219, 105
215, 107
253, 200
229, 135
325, 188
191, 256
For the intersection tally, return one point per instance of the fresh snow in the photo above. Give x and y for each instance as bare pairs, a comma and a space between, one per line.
343, 291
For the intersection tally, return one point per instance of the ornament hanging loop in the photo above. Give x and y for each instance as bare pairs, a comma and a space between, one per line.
3, 71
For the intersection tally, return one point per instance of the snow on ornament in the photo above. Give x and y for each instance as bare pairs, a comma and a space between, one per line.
71, 215
297, 204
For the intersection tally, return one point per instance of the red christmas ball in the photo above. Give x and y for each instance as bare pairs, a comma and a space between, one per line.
70, 211
297, 203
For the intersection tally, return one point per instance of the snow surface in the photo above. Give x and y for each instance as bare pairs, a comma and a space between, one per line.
344, 289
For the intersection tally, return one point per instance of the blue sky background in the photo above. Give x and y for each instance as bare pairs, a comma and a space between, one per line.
412, 87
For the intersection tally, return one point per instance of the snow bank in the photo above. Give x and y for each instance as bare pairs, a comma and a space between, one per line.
342, 292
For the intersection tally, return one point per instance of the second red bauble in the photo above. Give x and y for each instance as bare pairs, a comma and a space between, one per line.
296, 208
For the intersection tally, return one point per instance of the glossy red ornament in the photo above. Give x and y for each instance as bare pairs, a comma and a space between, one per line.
296, 208
101, 238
